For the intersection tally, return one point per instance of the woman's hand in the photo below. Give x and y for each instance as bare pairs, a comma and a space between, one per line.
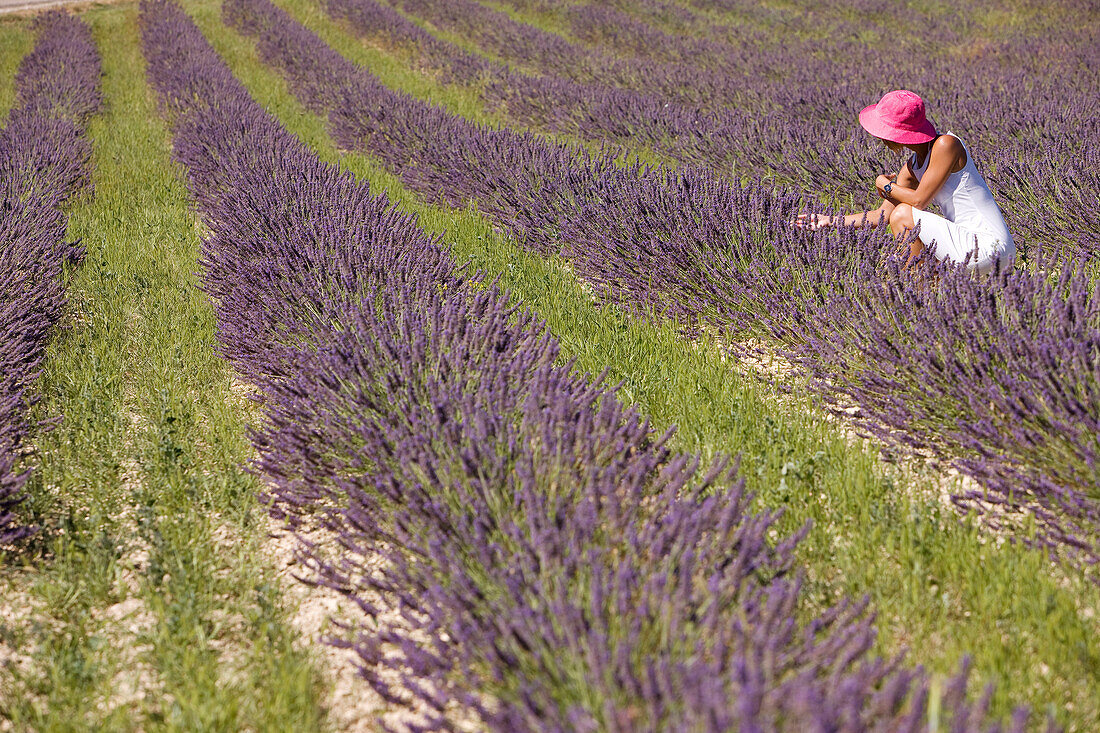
812, 221
880, 183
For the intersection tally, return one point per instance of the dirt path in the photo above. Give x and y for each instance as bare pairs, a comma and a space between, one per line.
31, 6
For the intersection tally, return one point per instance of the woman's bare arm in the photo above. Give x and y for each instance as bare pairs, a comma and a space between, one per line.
871, 218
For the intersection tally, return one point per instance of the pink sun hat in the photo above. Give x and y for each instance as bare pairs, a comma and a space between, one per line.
898, 117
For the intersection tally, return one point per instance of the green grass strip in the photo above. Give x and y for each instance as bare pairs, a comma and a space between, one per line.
158, 608
554, 20
16, 41
940, 587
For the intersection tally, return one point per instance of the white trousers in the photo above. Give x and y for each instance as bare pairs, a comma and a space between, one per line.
953, 242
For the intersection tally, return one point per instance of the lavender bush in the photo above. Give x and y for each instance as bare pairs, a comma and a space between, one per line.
999, 373
44, 162
555, 565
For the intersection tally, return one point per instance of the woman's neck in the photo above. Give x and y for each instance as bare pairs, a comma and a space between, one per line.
922, 150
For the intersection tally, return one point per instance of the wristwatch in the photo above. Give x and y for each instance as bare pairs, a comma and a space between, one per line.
886, 188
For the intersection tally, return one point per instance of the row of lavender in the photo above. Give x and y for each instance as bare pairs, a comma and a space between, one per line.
44, 162
555, 565
1000, 373
788, 110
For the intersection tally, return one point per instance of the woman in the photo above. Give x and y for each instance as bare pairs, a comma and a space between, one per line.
940, 171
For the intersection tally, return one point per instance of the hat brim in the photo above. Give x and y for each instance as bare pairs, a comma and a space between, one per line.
871, 121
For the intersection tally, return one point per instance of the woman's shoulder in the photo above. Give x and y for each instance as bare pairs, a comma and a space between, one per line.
948, 142
950, 148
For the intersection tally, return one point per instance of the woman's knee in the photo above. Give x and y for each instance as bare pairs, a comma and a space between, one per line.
902, 218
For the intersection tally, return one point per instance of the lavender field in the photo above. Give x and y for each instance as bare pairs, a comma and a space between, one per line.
457, 365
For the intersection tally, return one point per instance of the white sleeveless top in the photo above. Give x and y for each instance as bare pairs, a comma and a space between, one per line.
966, 200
